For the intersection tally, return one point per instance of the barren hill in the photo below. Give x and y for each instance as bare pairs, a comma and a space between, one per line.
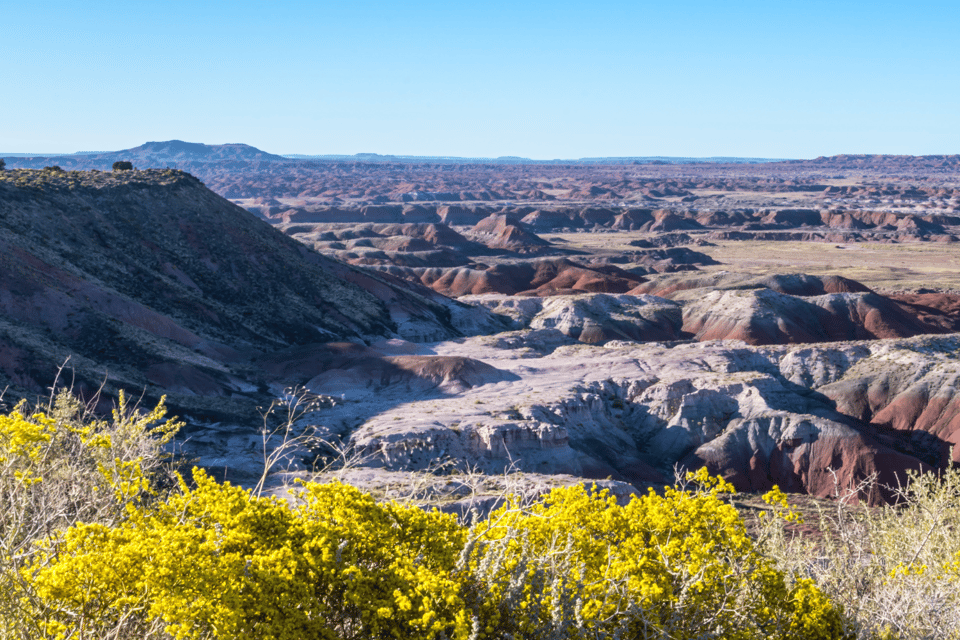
148, 279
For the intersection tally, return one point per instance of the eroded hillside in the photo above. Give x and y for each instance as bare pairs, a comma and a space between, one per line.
602, 321
146, 279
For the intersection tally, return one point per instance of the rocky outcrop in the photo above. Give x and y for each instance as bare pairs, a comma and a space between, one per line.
932, 308
412, 374
508, 233
908, 393
666, 221
552, 219
794, 308
669, 260
402, 244
695, 286
763, 316
801, 417
592, 318
633, 220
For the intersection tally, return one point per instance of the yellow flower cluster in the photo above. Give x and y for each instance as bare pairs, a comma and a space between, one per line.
781, 508
22, 444
20, 437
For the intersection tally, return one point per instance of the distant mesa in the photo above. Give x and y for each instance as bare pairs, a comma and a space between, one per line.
171, 153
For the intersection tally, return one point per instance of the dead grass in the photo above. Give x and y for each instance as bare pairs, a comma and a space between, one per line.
905, 266
879, 266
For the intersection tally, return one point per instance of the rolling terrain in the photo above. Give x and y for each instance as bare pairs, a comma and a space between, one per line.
776, 322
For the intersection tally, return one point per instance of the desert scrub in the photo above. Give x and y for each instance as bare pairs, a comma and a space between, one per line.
896, 568
120, 558
57, 178
59, 466
214, 561
676, 565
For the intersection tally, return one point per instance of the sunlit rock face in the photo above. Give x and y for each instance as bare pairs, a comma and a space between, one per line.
803, 417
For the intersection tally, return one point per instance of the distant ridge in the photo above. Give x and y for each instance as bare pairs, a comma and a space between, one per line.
376, 157
32, 155
170, 153
180, 154
197, 157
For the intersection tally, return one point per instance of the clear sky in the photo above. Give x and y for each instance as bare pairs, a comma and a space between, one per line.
777, 78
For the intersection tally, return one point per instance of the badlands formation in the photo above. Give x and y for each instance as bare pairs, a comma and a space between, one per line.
790, 323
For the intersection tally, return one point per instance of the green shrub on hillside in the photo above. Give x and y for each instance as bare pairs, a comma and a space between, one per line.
122, 165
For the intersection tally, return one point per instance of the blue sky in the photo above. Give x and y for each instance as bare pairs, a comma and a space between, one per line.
545, 80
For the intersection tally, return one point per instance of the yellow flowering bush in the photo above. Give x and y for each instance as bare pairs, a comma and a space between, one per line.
676, 565
215, 561
60, 466
93, 546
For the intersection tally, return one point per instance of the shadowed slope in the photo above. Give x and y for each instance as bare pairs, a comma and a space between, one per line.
148, 277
